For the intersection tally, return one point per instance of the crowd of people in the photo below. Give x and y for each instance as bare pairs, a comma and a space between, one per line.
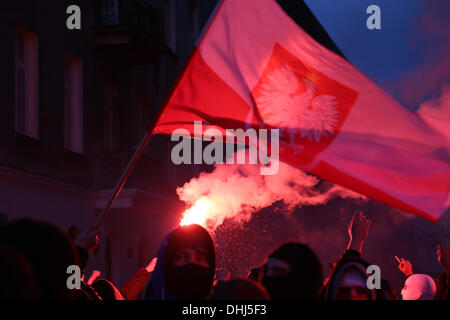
34, 257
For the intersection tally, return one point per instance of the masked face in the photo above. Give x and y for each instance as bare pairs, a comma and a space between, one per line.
189, 263
186, 256
276, 279
189, 281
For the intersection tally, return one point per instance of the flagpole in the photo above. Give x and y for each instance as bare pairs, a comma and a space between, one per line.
144, 141
129, 168
134, 160
136, 156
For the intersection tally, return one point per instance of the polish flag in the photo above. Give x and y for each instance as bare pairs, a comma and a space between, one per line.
255, 67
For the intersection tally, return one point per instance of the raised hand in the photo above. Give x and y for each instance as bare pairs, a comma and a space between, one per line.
358, 230
405, 266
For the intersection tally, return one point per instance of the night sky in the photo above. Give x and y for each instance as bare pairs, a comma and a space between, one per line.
413, 42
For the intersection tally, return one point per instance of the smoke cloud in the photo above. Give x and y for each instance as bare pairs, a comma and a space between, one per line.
235, 191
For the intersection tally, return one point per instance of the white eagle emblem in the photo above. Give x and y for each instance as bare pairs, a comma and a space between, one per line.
283, 104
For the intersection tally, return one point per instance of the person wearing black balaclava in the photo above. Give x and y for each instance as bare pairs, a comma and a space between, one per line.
293, 271
185, 267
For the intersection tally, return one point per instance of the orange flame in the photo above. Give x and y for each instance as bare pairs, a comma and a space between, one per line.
197, 214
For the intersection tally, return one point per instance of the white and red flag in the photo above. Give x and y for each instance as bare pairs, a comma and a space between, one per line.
255, 67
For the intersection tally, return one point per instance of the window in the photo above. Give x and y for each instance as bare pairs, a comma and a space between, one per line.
26, 56
73, 104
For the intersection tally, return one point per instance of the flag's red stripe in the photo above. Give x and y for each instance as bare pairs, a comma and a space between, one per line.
332, 174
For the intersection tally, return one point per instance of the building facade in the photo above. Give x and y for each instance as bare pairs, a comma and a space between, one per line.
74, 106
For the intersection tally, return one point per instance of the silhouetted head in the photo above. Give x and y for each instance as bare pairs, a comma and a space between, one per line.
186, 265
240, 289
49, 252
293, 271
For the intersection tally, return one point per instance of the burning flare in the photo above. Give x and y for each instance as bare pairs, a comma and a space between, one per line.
235, 191
197, 214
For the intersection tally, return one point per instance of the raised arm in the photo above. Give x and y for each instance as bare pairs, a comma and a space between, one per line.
358, 230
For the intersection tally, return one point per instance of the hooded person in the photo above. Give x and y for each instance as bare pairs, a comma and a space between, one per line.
419, 287
185, 266
293, 271
349, 280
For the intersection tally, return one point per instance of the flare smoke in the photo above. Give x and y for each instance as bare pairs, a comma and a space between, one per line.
236, 191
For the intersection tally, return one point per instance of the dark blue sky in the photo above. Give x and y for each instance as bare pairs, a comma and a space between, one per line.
381, 54
397, 50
